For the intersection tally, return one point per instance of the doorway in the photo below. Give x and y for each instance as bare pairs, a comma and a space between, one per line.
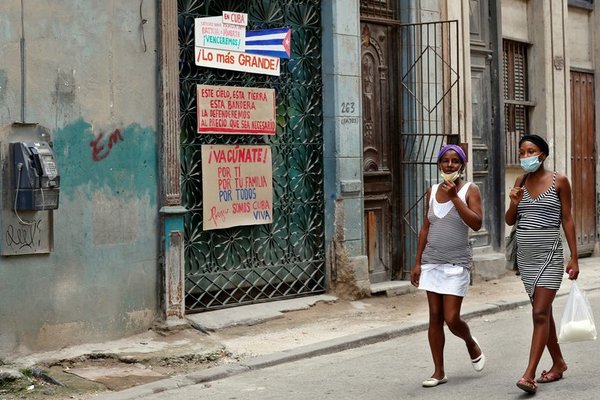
583, 160
485, 121
411, 105
378, 96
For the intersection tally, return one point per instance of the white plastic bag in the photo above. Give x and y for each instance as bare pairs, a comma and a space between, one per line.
577, 323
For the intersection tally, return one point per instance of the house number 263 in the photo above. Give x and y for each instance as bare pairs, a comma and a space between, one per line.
348, 107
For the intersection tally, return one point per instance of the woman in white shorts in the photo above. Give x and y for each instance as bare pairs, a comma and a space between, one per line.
443, 260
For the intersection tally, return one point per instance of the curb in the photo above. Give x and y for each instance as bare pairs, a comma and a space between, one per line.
291, 355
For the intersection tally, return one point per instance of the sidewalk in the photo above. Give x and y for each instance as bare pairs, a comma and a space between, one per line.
264, 335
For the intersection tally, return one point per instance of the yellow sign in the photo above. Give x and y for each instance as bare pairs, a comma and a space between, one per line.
237, 186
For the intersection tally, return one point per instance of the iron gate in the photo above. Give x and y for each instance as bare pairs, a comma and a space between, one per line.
431, 107
247, 264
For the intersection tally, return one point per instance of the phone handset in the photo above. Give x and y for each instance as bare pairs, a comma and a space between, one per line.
37, 162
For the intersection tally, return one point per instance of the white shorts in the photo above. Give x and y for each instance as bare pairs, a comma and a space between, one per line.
445, 279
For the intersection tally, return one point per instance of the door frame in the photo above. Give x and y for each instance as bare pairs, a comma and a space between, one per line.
381, 193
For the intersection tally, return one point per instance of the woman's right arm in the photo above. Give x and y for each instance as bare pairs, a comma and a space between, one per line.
515, 195
416, 271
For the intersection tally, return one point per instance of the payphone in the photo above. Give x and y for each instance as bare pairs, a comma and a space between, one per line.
35, 177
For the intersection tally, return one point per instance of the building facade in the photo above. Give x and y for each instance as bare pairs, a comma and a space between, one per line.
370, 91
550, 66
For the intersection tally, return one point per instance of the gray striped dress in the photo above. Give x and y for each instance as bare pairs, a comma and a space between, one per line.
539, 242
446, 259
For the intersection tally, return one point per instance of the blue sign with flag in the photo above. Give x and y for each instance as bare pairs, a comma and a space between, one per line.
269, 42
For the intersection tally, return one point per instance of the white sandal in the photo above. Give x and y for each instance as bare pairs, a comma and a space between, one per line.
432, 382
479, 362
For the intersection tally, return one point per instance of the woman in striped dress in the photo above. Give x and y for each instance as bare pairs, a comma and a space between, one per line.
539, 207
443, 259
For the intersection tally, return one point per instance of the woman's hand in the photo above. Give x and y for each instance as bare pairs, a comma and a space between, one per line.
415, 275
449, 188
572, 269
516, 195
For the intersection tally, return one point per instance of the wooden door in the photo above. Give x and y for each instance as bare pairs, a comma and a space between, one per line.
485, 130
583, 160
377, 164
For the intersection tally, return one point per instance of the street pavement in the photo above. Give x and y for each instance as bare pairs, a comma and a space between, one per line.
286, 332
394, 369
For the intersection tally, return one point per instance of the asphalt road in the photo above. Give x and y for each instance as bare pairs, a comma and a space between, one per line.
395, 369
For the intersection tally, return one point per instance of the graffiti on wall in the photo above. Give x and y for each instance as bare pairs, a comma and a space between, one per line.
101, 146
119, 158
20, 236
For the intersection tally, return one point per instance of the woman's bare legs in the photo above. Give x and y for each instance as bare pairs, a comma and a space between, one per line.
544, 333
457, 325
435, 333
446, 308
558, 362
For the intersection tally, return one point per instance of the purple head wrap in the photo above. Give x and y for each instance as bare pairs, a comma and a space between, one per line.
454, 147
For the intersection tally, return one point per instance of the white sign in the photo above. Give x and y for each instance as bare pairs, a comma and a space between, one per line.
230, 17
211, 32
235, 61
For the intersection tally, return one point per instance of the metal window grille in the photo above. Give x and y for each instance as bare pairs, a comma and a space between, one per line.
516, 97
431, 106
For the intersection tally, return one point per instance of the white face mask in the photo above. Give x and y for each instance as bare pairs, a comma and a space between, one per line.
450, 177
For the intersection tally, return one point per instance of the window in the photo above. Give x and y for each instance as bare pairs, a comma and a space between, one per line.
516, 97
586, 4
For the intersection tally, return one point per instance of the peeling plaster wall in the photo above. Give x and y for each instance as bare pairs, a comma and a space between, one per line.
515, 20
91, 78
344, 230
580, 33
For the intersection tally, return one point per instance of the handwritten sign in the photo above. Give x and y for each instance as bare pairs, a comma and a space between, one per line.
237, 186
236, 110
236, 61
213, 33
230, 17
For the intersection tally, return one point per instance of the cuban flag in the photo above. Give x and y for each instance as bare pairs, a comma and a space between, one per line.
269, 42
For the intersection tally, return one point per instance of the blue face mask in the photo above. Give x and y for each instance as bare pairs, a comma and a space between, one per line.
530, 164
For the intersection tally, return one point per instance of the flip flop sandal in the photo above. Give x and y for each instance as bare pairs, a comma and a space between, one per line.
527, 385
548, 377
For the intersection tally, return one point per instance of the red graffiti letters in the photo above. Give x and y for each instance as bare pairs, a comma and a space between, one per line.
100, 148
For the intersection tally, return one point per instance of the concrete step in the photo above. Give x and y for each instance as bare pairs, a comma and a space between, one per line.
392, 288
488, 264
